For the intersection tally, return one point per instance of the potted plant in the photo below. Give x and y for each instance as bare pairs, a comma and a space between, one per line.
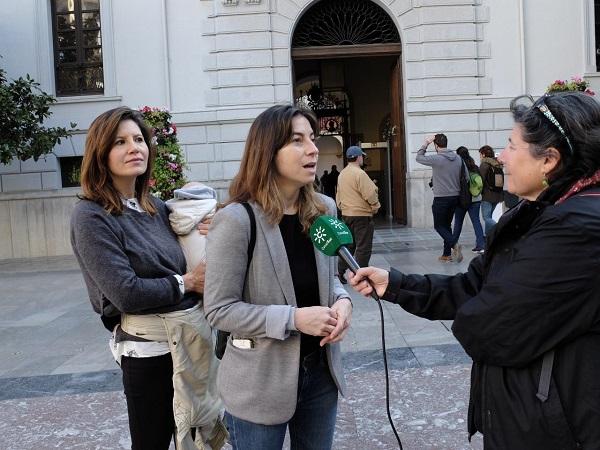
576, 83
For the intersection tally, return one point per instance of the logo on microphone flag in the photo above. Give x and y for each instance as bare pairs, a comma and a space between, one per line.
328, 234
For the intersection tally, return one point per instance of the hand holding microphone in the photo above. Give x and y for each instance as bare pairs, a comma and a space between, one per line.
377, 279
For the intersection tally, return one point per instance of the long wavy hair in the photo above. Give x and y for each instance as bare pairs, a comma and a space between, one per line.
463, 152
579, 116
96, 180
257, 178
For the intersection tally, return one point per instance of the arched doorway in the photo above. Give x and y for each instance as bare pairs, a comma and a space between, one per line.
347, 67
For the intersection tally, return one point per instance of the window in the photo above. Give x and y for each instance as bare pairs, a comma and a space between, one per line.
597, 32
70, 171
77, 47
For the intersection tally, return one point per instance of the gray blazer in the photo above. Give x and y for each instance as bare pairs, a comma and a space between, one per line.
260, 384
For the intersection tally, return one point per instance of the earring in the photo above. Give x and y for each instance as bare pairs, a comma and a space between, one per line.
545, 182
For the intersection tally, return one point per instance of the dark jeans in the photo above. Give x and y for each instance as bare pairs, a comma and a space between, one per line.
443, 211
362, 228
487, 209
313, 422
148, 385
459, 217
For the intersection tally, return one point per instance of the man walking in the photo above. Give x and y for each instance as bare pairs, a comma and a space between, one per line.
446, 166
357, 198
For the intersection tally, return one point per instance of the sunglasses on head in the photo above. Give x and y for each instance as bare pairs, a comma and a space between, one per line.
541, 106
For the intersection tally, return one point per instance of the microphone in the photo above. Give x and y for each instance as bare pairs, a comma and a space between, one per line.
330, 235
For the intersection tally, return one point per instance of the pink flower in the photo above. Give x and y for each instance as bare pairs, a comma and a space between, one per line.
589, 92
173, 166
152, 182
577, 79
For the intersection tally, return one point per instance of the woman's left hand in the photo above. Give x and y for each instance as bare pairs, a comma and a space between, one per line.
204, 226
343, 309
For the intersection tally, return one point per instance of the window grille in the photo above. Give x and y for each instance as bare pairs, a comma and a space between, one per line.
345, 22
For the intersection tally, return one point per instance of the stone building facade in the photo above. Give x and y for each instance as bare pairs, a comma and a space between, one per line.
453, 67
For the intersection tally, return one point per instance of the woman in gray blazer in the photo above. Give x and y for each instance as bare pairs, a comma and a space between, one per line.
282, 366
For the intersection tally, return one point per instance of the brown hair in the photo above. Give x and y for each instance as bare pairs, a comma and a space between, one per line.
256, 180
440, 140
96, 181
487, 151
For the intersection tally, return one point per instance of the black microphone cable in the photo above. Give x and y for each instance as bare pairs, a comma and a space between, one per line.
345, 254
385, 365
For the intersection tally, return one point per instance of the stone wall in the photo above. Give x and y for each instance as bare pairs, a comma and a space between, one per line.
36, 224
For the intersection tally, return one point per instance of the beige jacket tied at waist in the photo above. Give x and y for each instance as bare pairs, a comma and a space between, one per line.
196, 403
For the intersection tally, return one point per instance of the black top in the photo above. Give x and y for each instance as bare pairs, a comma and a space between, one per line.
301, 258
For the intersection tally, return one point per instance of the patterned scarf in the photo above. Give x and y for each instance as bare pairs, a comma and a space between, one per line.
580, 185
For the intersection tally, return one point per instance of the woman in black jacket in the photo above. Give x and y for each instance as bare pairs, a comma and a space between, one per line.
528, 310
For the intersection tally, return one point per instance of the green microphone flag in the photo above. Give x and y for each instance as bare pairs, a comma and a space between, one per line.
328, 234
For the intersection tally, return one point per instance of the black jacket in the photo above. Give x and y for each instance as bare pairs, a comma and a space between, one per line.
536, 289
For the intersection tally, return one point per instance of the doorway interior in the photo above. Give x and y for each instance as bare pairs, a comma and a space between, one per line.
354, 102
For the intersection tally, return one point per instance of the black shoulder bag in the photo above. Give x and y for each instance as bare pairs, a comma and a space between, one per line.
223, 336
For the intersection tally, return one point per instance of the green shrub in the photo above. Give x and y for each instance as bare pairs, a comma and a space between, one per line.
23, 109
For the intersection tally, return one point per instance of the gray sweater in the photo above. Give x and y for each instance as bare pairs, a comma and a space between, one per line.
128, 261
446, 171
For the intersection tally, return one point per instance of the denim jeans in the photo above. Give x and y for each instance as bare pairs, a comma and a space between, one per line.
311, 426
443, 211
459, 217
487, 209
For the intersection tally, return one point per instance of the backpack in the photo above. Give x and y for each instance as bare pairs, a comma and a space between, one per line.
475, 184
464, 196
494, 178
223, 336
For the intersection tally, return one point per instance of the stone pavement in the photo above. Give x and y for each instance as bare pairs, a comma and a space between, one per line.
59, 387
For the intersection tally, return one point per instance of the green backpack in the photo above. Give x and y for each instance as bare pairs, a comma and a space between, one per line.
475, 184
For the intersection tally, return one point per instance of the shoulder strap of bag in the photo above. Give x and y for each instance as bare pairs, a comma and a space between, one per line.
252, 240
223, 336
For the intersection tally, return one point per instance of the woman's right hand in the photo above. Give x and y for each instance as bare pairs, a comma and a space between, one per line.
315, 320
378, 278
194, 279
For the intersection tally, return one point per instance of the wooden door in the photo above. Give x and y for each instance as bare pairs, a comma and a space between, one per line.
398, 150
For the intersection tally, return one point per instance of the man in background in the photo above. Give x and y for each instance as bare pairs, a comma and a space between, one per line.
357, 198
333, 180
446, 166
325, 183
